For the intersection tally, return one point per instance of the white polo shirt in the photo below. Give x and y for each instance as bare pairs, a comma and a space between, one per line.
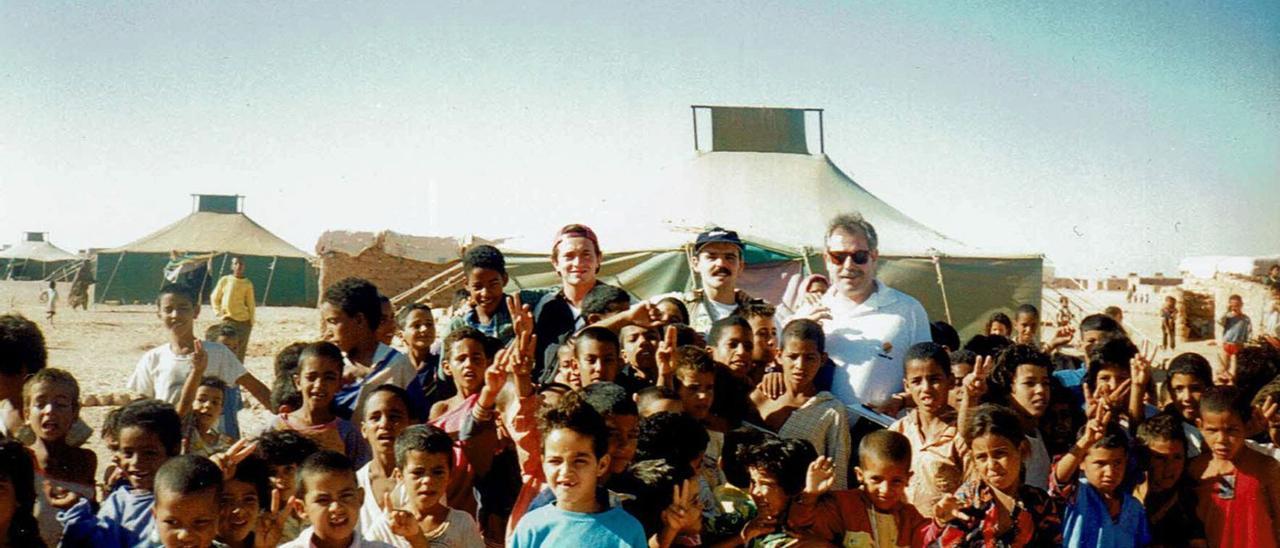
856, 334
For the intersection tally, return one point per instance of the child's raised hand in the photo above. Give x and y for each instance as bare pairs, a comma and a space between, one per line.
644, 315
270, 526
494, 377
401, 522
522, 361
199, 359
811, 308
820, 477
666, 352
496, 374
1270, 411
975, 383
1062, 336
682, 514
229, 459
1140, 366
1095, 428
949, 508
521, 320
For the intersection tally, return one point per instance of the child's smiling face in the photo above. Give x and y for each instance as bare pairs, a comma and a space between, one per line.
884, 482
239, 510
419, 330
766, 492
207, 407
485, 286
141, 453
318, 379
177, 312
1186, 391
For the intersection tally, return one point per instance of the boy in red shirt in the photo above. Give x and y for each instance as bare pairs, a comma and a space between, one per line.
877, 514
1238, 488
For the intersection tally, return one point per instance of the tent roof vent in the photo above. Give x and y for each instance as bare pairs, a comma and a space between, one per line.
219, 203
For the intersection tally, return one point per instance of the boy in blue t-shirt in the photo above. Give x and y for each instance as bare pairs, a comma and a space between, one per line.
575, 447
1099, 511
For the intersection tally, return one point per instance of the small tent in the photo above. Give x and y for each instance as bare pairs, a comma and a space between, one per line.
34, 258
282, 274
760, 179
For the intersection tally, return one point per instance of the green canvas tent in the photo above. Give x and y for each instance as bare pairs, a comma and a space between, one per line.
33, 258
282, 275
759, 179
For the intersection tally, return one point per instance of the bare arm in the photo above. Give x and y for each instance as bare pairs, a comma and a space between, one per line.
1065, 470
254, 386
199, 362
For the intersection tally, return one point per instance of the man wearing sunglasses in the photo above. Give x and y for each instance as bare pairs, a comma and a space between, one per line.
871, 325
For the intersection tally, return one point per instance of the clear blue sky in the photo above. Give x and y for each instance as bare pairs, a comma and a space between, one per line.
1111, 136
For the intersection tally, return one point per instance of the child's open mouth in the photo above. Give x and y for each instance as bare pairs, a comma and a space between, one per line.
339, 520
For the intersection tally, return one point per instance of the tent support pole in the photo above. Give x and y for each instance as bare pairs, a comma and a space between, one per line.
946, 306
106, 290
270, 276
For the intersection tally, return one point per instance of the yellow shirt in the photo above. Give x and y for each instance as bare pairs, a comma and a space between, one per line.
233, 298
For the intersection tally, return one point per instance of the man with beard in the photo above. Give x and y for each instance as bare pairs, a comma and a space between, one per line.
869, 325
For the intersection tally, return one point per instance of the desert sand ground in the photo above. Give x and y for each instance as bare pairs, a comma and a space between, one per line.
101, 346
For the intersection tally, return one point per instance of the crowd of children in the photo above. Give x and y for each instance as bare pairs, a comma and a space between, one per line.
636, 430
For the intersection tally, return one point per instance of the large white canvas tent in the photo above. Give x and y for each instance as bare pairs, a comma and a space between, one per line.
33, 258
760, 179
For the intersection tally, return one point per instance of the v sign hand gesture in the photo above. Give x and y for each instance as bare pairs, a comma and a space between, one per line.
664, 355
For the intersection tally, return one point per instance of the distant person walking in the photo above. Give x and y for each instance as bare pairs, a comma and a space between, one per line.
50, 298
232, 301
1169, 323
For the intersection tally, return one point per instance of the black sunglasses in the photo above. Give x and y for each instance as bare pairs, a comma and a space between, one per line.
860, 257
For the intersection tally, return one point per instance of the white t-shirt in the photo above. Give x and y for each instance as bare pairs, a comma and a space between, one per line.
865, 372
719, 310
160, 373
460, 531
1038, 463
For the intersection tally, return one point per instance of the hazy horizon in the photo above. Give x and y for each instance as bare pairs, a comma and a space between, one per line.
1111, 137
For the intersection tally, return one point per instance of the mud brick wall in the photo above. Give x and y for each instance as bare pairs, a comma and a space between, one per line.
393, 275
